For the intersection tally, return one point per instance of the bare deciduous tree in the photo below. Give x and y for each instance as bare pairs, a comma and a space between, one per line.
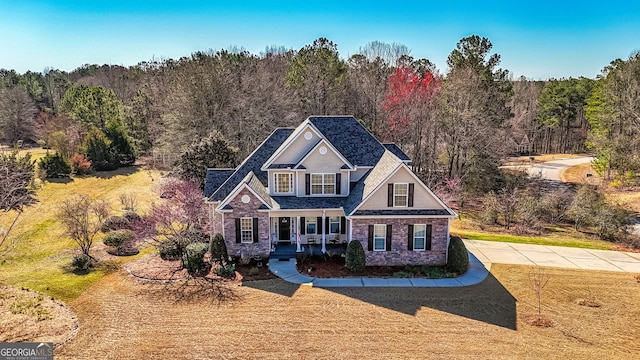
83, 218
538, 280
16, 175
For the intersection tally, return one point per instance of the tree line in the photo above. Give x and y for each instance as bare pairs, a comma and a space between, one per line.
455, 123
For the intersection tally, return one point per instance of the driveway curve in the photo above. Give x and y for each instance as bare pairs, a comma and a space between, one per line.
552, 170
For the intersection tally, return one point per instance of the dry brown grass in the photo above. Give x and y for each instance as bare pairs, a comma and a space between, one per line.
578, 174
126, 319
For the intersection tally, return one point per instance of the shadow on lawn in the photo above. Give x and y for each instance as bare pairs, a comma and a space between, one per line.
489, 301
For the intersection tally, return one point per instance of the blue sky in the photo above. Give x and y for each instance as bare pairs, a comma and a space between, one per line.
537, 39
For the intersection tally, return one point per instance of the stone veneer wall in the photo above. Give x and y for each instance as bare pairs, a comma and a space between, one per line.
399, 253
240, 209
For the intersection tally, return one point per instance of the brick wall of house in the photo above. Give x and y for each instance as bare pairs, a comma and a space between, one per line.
240, 209
399, 253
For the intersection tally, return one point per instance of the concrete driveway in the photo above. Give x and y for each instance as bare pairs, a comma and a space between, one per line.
551, 170
489, 252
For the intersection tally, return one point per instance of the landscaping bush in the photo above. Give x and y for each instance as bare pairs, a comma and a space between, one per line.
82, 262
97, 148
117, 237
228, 270
169, 250
355, 259
80, 165
55, 166
458, 261
115, 223
193, 257
402, 274
218, 249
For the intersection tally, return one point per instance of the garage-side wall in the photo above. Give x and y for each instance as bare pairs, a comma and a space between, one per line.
399, 254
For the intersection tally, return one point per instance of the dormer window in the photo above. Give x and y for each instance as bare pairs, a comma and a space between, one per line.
323, 184
283, 183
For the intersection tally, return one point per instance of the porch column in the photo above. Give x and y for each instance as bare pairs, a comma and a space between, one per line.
324, 231
223, 236
350, 231
298, 248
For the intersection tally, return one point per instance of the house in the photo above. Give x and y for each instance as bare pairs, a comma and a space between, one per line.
325, 183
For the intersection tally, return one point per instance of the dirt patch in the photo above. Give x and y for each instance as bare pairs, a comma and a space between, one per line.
152, 267
541, 322
31, 316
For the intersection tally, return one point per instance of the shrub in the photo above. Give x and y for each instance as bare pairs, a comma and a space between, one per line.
218, 249
97, 148
228, 270
55, 166
115, 223
254, 271
402, 274
80, 165
121, 144
458, 261
169, 250
82, 262
355, 259
117, 237
193, 257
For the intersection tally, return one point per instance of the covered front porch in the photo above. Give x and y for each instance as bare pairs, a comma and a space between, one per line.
309, 232
288, 251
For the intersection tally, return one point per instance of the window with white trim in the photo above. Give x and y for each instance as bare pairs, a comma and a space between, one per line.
419, 236
379, 237
311, 224
246, 230
334, 225
323, 184
400, 194
283, 183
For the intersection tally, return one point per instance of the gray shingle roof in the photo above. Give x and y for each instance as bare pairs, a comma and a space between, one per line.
406, 212
253, 163
252, 181
370, 181
292, 202
350, 138
395, 149
215, 178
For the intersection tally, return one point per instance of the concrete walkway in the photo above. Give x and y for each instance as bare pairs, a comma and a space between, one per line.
489, 252
481, 255
287, 271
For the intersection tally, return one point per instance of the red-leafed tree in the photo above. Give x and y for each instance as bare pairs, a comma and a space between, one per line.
410, 106
179, 219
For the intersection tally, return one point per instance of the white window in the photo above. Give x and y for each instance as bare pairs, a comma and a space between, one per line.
419, 236
311, 225
334, 225
379, 237
323, 184
283, 183
246, 230
400, 194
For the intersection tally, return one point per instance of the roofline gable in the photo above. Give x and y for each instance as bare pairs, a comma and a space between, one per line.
285, 145
324, 140
416, 178
243, 184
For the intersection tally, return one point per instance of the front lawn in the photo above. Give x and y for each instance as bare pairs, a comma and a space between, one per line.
40, 260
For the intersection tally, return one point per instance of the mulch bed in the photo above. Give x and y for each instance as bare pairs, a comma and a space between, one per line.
152, 267
334, 267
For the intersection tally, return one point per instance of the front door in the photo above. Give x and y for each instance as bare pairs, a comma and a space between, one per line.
284, 229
